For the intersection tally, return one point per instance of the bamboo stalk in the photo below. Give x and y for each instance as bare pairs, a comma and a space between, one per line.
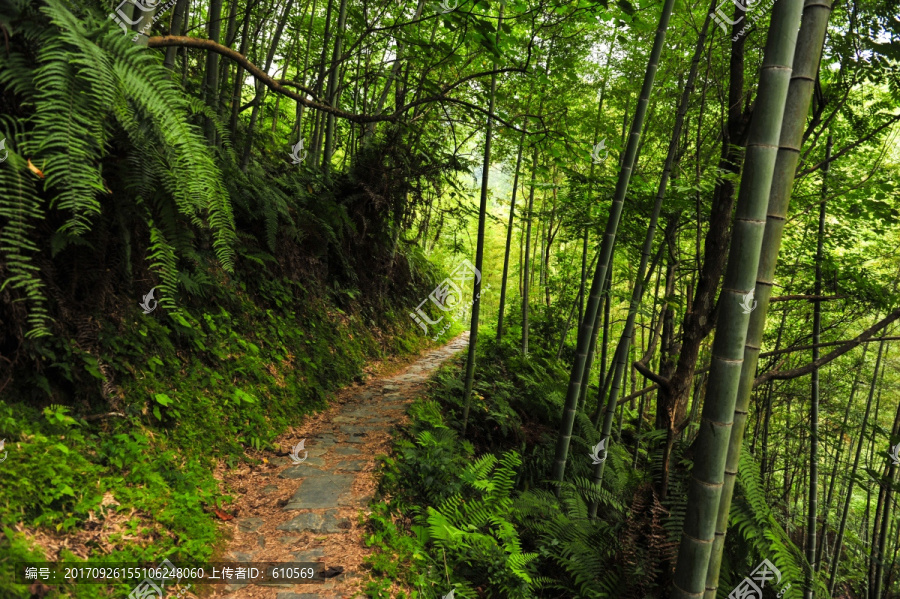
717, 418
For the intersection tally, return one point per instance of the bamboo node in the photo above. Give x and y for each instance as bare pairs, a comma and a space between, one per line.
706, 484
704, 541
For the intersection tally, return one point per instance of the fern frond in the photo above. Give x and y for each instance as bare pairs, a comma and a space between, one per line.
21, 208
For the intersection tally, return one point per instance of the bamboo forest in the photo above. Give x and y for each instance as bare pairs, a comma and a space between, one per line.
449, 299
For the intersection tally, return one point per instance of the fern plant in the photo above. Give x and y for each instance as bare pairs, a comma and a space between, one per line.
477, 533
757, 526
575, 551
80, 83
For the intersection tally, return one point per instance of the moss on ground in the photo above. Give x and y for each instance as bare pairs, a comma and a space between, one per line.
188, 391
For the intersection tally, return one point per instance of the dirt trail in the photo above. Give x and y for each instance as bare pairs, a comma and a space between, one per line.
309, 512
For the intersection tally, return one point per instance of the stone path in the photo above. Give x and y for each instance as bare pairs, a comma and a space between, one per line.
311, 512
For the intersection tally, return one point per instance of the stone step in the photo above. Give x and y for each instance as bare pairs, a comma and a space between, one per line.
352, 465
328, 522
322, 491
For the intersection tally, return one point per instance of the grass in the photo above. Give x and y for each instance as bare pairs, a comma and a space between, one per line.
190, 393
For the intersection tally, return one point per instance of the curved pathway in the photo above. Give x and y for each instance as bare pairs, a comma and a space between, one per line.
310, 512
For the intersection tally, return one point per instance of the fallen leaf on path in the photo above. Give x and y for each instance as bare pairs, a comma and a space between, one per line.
223, 515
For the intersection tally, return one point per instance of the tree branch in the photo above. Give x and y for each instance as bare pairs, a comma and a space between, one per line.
288, 82
276, 86
280, 85
852, 146
781, 375
789, 350
760, 380
641, 365
442, 98
821, 298
649, 374
637, 394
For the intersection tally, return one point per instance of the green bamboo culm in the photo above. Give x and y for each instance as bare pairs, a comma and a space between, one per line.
479, 252
585, 332
805, 66
838, 457
509, 232
637, 291
839, 541
526, 284
878, 556
813, 501
711, 446
586, 371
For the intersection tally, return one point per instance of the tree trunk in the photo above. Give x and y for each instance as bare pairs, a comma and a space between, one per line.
878, 555
698, 323
672, 422
602, 382
586, 376
526, 283
637, 291
211, 79
890, 574
879, 506
769, 390
838, 543
550, 236
260, 89
711, 446
317, 137
606, 250
479, 253
813, 502
521, 255
796, 106
543, 237
230, 35
239, 77
837, 455
332, 97
509, 232
585, 379
175, 29
581, 289
298, 124
873, 556
565, 332
394, 76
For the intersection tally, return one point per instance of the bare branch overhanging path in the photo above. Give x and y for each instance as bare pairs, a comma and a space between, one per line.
280, 86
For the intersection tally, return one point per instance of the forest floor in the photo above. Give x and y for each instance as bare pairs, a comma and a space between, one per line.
310, 512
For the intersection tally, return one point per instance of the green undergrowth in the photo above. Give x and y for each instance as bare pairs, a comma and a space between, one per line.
466, 514
479, 514
179, 394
